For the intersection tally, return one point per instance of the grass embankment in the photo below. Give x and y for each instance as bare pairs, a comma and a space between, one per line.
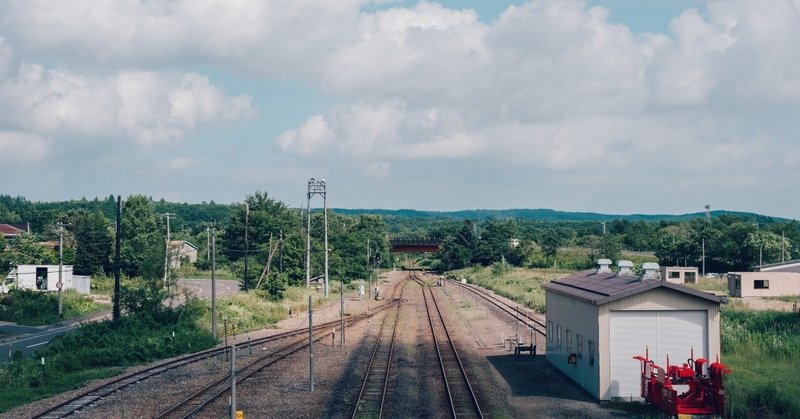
36, 308
519, 284
762, 348
104, 349
100, 350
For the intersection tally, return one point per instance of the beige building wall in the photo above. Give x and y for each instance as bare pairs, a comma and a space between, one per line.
763, 284
680, 274
656, 299
579, 318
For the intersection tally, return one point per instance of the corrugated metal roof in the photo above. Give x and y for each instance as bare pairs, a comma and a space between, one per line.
598, 287
788, 266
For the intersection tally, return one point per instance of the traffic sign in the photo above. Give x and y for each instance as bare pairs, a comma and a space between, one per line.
58, 285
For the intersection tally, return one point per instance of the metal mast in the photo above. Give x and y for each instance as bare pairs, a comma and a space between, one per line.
317, 187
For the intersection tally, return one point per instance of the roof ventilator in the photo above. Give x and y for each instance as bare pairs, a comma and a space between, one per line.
625, 267
604, 265
650, 270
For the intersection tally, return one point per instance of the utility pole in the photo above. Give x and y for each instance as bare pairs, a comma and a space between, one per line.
233, 382
208, 244
310, 346
246, 284
117, 264
60, 284
214, 283
341, 312
167, 252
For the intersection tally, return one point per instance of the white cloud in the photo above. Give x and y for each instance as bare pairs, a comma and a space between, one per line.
310, 137
182, 163
149, 107
22, 150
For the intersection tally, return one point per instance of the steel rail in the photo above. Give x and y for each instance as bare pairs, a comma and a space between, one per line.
91, 396
362, 406
222, 386
474, 406
537, 325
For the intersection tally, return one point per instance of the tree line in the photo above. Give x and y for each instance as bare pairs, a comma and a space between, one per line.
275, 247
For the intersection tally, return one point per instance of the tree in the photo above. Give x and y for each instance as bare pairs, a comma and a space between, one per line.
262, 217
457, 251
550, 242
143, 241
93, 243
495, 241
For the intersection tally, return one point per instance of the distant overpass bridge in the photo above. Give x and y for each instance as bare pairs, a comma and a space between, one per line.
415, 244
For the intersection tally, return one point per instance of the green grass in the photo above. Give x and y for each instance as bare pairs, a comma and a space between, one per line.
521, 285
16, 396
36, 308
717, 285
763, 351
102, 349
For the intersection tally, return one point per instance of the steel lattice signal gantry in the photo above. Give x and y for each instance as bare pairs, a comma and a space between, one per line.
316, 187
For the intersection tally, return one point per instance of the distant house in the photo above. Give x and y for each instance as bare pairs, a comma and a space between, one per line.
45, 278
181, 250
11, 230
773, 280
679, 274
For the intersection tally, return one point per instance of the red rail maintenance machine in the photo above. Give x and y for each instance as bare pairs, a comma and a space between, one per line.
705, 394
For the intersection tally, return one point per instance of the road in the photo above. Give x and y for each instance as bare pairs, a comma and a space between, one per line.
29, 339
201, 288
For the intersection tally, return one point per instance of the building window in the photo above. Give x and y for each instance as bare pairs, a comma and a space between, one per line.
761, 284
579, 344
558, 335
690, 277
738, 283
550, 330
674, 274
569, 341
591, 353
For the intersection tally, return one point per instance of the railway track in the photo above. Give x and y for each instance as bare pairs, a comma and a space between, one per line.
372, 396
460, 394
90, 397
525, 316
215, 390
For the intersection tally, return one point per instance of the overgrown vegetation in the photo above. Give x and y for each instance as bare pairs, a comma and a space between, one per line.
521, 285
151, 330
35, 308
763, 350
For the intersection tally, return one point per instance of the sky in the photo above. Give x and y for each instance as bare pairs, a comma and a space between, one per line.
617, 106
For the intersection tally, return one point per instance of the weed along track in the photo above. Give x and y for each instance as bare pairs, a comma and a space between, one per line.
531, 320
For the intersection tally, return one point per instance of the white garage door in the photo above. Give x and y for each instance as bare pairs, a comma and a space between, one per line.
672, 333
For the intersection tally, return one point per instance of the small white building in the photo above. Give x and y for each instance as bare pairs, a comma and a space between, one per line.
680, 274
45, 278
773, 280
599, 319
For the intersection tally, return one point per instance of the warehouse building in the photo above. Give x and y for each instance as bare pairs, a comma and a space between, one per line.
598, 320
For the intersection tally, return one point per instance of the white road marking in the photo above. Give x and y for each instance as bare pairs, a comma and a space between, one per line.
38, 344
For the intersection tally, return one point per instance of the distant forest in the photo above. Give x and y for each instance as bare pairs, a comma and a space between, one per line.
730, 241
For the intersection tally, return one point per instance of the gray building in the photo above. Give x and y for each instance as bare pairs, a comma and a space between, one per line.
599, 319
